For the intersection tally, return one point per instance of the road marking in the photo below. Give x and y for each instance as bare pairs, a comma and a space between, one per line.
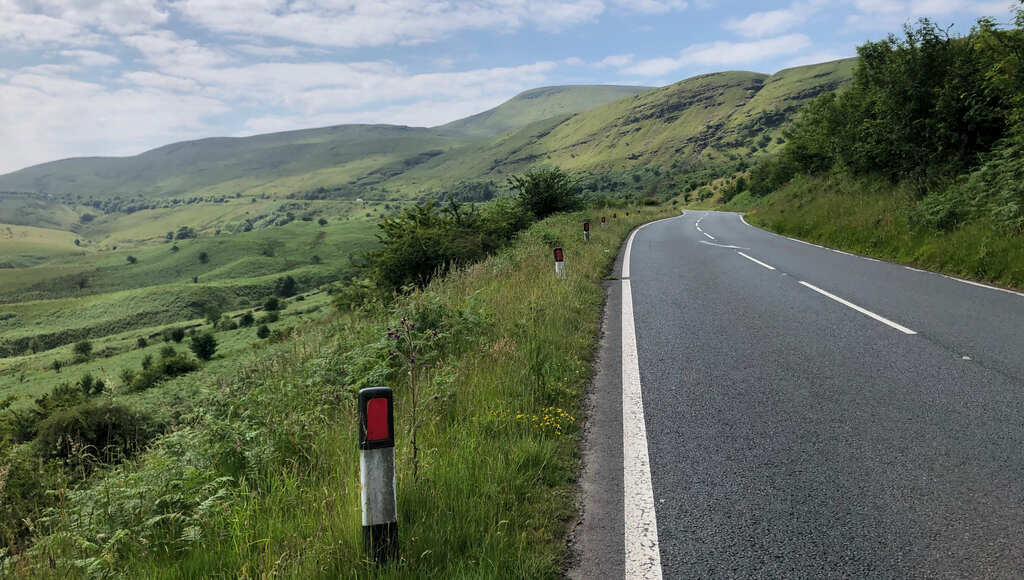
642, 551
843, 253
980, 285
864, 311
756, 261
723, 245
807, 243
742, 219
915, 270
710, 237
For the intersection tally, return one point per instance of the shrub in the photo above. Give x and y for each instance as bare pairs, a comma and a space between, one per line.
132, 259
168, 351
204, 346
285, 287
246, 320
174, 334
165, 368
101, 431
83, 349
542, 192
269, 318
263, 331
141, 342
272, 304
90, 386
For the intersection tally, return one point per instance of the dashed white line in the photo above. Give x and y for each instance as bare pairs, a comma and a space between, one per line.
844, 253
756, 261
710, 237
722, 245
642, 551
863, 311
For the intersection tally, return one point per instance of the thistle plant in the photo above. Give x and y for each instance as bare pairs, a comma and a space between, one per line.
412, 347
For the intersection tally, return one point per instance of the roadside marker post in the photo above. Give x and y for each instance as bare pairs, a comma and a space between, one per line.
615, 217
377, 474
586, 231
602, 221
559, 263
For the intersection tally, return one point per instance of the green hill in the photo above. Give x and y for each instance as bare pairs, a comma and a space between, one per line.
536, 104
588, 128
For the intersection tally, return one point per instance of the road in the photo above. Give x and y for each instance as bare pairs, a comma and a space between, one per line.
806, 413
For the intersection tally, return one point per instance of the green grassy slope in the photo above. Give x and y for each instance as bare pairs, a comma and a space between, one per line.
710, 118
537, 104
293, 160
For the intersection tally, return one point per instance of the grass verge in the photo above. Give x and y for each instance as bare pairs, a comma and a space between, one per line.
874, 218
263, 477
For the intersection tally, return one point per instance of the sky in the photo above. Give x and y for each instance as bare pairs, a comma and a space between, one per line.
118, 77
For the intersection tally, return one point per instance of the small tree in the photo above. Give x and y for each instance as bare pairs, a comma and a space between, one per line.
176, 334
83, 348
56, 365
263, 331
204, 345
247, 319
204, 257
141, 342
36, 345
168, 352
285, 287
132, 259
322, 221
543, 192
272, 304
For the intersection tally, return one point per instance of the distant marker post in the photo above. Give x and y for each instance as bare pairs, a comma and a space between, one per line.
586, 231
377, 474
559, 263
602, 221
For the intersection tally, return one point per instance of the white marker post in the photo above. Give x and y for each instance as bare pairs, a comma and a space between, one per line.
377, 474
602, 221
586, 231
559, 264
615, 217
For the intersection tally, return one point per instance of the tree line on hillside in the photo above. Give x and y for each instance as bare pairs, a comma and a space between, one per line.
937, 112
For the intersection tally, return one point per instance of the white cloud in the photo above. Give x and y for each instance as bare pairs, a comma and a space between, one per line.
773, 22
160, 81
57, 116
654, 6
720, 54
357, 23
616, 60
270, 51
91, 57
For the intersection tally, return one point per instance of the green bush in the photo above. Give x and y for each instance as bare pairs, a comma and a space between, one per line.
545, 191
204, 346
95, 431
165, 368
167, 351
272, 304
263, 331
246, 320
83, 349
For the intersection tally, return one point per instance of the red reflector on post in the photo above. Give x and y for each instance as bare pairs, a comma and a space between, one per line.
586, 226
602, 219
377, 419
558, 254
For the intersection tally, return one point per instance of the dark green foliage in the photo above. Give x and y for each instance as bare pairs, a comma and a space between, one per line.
166, 367
269, 317
322, 221
36, 345
425, 241
246, 320
175, 334
204, 345
543, 192
141, 342
83, 349
168, 351
263, 331
98, 431
204, 257
56, 365
272, 304
132, 259
147, 361
90, 387
285, 287
184, 233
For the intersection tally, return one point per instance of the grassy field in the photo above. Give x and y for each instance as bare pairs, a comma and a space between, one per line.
874, 218
264, 473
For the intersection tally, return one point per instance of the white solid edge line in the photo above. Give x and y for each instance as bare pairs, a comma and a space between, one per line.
980, 285
642, 550
742, 219
710, 237
916, 270
756, 261
863, 311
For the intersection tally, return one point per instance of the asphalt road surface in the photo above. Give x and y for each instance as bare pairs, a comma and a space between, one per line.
808, 414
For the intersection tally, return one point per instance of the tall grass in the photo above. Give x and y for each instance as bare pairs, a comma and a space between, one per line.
875, 218
265, 479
